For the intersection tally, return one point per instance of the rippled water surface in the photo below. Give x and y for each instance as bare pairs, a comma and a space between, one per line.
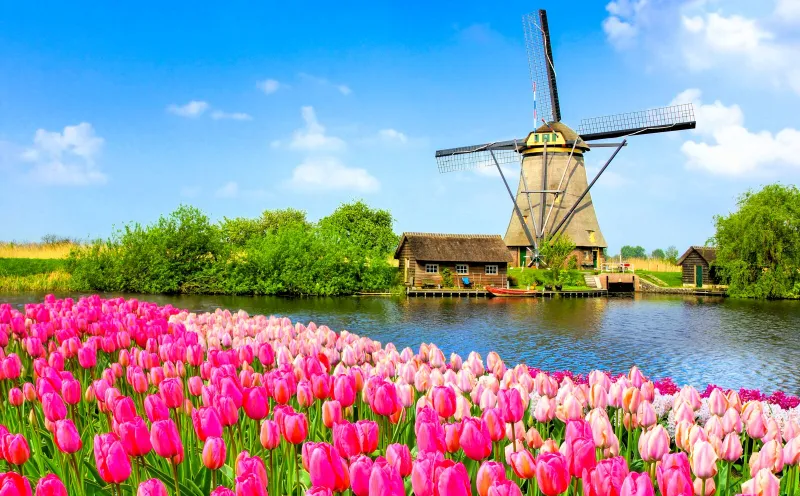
695, 340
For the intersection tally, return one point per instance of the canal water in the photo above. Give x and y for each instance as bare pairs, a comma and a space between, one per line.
695, 340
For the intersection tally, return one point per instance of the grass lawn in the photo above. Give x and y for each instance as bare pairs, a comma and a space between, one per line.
672, 279
22, 267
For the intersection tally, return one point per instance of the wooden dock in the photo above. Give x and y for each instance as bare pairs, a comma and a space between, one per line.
477, 293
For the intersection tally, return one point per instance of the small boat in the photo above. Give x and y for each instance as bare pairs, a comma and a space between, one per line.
511, 292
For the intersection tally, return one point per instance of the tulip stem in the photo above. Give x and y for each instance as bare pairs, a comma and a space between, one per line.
175, 476
296, 470
213, 479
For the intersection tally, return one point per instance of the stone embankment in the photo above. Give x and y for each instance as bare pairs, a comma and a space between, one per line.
649, 287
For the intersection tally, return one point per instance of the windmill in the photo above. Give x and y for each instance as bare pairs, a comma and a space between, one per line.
553, 193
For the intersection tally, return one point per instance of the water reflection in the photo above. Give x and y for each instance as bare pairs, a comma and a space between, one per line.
695, 340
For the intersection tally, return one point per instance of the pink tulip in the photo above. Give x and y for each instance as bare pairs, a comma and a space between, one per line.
674, 475
504, 488
326, 468
50, 485
345, 439
488, 474
578, 447
166, 440
731, 449
294, 427
399, 456
791, 452
331, 413
214, 453
66, 436
444, 401
270, 435
510, 403
552, 473
53, 407
344, 390
763, 484
360, 469
249, 485
523, 464
383, 399
16, 449
495, 423
606, 478
222, 491
384, 480
13, 484
367, 435
452, 480
206, 423
475, 439
155, 408
654, 444
255, 403
637, 484
252, 465
545, 409
112, 463
704, 460
171, 392
152, 487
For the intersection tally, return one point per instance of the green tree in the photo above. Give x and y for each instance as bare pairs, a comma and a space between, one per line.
671, 255
359, 225
758, 246
239, 230
554, 251
628, 251
658, 254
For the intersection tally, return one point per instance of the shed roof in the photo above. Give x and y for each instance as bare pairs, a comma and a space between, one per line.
707, 253
455, 247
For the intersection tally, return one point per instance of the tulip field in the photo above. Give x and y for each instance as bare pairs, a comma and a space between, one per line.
124, 397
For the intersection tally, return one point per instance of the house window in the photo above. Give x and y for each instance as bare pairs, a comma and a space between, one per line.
431, 268
491, 270
462, 269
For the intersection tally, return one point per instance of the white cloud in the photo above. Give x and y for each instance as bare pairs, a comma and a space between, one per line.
341, 88
312, 136
229, 190
728, 148
192, 109
392, 135
700, 36
328, 174
269, 86
788, 10
236, 116
66, 158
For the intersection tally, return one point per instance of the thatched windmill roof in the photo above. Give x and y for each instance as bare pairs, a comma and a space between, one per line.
455, 247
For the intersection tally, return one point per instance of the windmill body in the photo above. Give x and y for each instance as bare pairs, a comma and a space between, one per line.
557, 185
553, 195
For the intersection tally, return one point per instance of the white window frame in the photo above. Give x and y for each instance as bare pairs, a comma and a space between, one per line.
465, 268
492, 270
429, 266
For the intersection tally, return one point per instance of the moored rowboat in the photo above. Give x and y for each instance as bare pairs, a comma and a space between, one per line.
510, 292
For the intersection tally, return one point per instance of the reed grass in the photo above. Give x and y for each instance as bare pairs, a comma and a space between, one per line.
35, 250
652, 265
47, 282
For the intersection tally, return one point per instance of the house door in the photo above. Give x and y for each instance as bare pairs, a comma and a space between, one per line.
594, 258
698, 276
523, 257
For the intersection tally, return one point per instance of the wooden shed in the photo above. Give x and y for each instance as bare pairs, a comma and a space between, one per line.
480, 258
697, 268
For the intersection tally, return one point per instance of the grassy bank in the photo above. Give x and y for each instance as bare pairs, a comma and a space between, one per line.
665, 279
34, 274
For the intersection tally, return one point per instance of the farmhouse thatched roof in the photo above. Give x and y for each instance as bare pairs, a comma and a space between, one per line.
455, 247
707, 253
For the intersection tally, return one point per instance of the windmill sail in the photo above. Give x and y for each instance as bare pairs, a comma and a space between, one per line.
541, 67
658, 120
470, 157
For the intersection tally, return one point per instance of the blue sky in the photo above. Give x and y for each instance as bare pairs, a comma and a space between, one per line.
110, 113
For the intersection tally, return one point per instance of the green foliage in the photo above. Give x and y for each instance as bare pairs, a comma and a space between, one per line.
447, 278
658, 254
554, 252
632, 252
523, 277
21, 267
758, 246
671, 255
572, 263
277, 253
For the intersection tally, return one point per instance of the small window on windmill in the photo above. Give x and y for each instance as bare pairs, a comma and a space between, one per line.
546, 138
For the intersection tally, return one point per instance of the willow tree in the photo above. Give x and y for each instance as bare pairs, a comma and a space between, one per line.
758, 245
